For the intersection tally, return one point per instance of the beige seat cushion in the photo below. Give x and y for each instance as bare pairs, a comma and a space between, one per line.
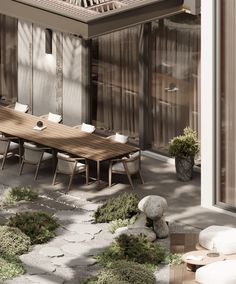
222, 238
220, 272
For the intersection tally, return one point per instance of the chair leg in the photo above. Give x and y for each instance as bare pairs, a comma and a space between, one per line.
3, 161
54, 178
141, 178
130, 180
69, 186
21, 167
87, 175
110, 173
37, 171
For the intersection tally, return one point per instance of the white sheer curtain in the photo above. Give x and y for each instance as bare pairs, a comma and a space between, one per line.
8, 59
116, 99
176, 78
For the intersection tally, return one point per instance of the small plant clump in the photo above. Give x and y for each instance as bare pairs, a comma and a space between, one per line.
124, 272
13, 241
18, 193
137, 249
10, 266
38, 226
114, 225
125, 206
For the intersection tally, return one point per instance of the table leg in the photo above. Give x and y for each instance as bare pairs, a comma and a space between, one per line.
98, 172
191, 267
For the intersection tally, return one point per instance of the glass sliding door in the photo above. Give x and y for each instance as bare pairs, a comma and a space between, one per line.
115, 82
175, 78
8, 59
227, 106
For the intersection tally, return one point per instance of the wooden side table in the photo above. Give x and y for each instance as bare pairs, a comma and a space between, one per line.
194, 264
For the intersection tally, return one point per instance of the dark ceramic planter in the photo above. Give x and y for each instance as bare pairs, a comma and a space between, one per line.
184, 168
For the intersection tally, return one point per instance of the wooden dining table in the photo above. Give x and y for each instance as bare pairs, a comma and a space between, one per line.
62, 137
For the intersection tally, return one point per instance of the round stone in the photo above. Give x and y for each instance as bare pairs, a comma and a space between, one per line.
153, 206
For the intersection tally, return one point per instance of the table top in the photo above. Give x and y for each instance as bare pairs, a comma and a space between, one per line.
61, 137
206, 259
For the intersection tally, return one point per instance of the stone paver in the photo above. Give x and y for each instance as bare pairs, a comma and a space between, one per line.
51, 252
78, 238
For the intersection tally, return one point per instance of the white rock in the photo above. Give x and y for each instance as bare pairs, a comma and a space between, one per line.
153, 206
137, 231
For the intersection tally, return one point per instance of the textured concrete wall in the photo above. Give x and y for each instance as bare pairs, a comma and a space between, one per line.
50, 82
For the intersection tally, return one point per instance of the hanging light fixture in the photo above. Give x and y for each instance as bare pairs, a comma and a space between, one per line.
48, 41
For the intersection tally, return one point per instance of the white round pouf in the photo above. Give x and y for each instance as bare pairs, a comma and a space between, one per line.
220, 272
219, 237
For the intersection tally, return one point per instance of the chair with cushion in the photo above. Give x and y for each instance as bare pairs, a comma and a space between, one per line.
34, 155
118, 138
19, 107
86, 127
57, 118
128, 166
71, 166
8, 148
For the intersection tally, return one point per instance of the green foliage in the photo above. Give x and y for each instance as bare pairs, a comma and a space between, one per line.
12, 195
39, 226
10, 266
125, 206
133, 248
185, 145
13, 241
114, 225
172, 259
124, 272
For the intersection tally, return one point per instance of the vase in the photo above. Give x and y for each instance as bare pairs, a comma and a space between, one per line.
184, 168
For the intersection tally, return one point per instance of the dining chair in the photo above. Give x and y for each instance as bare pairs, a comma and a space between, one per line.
57, 118
127, 165
19, 107
34, 155
85, 127
118, 138
68, 165
8, 147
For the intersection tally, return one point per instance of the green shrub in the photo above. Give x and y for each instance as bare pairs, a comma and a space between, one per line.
39, 226
114, 225
185, 145
10, 266
12, 195
13, 241
133, 248
125, 206
124, 272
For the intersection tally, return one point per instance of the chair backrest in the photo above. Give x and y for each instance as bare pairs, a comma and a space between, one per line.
4, 144
65, 163
133, 163
57, 118
119, 138
87, 128
32, 153
21, 107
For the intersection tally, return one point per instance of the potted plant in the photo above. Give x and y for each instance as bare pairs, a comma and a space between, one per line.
184, 148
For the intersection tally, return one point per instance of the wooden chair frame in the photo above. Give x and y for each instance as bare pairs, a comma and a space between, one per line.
9, 139
37, 164
125, 162
74, 172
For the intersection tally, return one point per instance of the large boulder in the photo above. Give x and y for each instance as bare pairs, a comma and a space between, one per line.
161, 228
153, 206
137, 231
